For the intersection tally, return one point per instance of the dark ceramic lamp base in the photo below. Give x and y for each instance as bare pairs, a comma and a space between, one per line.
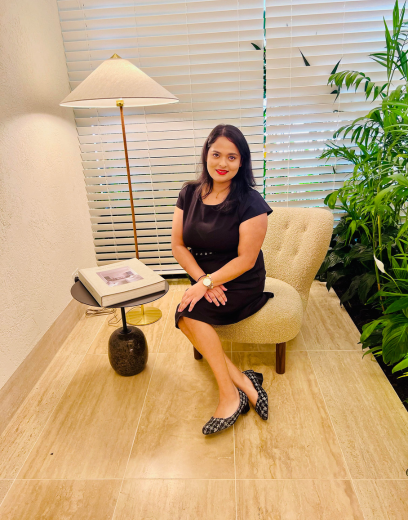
128, 352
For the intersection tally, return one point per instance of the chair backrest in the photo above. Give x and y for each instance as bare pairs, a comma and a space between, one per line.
296, 244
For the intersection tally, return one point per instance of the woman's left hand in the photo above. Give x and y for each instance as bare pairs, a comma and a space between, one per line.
192, 296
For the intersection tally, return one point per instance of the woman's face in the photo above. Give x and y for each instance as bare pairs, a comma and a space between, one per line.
223, 156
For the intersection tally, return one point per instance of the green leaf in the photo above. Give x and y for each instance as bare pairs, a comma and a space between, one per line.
401, 365
367, 280
400, 179
402, 230
369, 88
350, 78
373, 351
331, 199
369, 328
395, 340
335, 68
401, 303
304, 59
360, 79
380, 195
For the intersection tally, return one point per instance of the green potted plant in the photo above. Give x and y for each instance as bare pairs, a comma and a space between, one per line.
373, 229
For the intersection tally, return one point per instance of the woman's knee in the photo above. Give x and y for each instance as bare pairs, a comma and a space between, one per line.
196, 326
184, 322
189, 324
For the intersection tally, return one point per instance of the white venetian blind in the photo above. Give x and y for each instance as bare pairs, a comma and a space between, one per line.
202, 52
301, 113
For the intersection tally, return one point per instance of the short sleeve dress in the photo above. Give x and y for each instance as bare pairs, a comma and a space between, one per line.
213, 237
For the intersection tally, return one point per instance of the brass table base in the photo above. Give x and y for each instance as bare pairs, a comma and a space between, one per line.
143, 315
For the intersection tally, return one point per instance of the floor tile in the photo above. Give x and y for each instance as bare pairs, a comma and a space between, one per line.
4, 487
91, 431
83, 334
326, 326
300, 499
60, 500
370, 420
319, 290
298, 440
176, 499
182, 396
23, 431
383, 499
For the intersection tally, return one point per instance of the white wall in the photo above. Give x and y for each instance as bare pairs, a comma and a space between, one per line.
45, 229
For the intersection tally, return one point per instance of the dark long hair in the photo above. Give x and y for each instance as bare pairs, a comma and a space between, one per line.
244, 179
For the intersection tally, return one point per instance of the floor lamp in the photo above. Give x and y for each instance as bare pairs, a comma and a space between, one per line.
118, 83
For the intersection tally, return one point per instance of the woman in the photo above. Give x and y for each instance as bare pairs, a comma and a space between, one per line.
219, 225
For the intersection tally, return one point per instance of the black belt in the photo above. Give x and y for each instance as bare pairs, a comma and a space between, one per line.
207, 252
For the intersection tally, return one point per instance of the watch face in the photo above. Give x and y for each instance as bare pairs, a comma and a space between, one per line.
207, 282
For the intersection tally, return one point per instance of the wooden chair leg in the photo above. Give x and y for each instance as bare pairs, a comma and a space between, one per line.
280, 357
197, 355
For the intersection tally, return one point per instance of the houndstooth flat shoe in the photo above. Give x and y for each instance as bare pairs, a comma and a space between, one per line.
216, 424
261, 407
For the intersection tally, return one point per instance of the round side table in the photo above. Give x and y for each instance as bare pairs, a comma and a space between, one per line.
128, 349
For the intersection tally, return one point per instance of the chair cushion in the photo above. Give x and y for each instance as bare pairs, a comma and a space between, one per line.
279, 319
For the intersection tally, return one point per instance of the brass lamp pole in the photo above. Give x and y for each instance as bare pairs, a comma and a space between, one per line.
140, 316
116, 82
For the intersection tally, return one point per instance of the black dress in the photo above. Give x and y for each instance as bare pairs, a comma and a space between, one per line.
213, 239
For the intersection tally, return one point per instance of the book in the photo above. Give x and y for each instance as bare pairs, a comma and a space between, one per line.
121, 281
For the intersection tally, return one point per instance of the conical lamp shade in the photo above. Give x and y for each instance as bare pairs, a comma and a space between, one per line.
117, 78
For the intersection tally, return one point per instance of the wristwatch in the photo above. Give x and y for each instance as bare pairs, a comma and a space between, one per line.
207, 281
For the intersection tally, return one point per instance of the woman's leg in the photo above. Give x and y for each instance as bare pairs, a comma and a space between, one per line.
207, 342
242, 381
238, 378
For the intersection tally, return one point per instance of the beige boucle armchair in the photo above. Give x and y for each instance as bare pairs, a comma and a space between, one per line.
294, 248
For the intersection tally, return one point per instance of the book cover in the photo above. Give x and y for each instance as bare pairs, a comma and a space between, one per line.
120, 281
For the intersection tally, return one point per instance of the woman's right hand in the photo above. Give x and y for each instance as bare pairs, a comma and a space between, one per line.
216, 295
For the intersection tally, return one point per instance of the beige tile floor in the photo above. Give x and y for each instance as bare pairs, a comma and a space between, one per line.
90, 444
